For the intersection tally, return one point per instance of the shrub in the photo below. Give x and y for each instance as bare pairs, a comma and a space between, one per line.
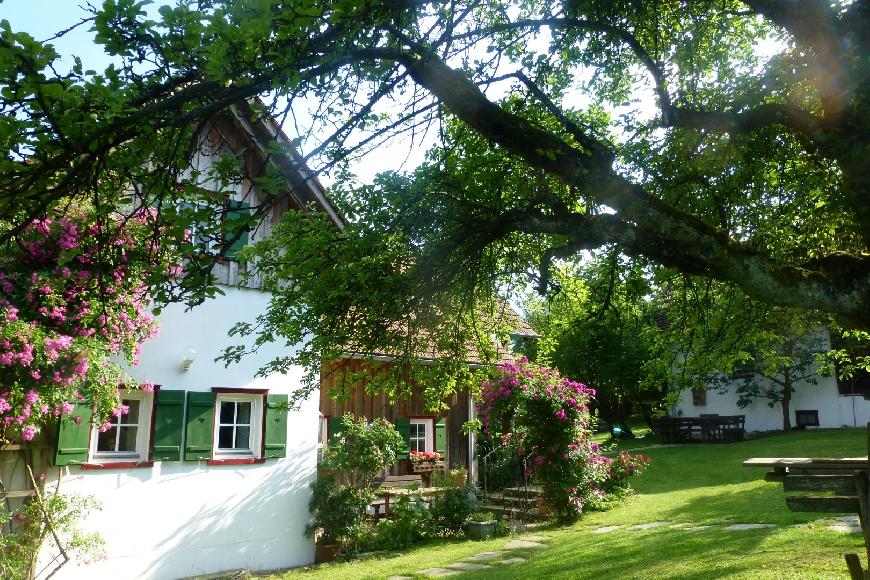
337, 511
451, 508
481, 517
410, 522
363, 450
625, 465
546, 419
29, 529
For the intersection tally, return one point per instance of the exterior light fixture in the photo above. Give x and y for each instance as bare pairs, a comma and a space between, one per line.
187, 357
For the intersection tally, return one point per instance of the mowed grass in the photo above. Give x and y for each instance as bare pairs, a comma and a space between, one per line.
688, 484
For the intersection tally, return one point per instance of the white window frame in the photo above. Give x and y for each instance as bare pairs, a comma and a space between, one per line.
143, 434
428, 423
255, 440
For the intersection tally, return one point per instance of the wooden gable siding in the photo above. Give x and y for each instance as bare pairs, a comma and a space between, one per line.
222, 135
362, 404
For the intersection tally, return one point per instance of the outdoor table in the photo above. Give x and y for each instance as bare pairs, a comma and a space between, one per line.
843, 482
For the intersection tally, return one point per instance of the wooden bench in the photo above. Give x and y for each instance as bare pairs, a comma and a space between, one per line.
844, 479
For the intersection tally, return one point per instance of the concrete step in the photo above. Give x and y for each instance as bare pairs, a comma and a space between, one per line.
512, 513
511, 501
531, 491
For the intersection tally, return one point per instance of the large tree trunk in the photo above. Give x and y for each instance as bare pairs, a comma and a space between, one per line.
786, 400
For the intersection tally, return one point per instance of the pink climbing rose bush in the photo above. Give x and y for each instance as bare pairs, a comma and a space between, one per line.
546, 418
71, 307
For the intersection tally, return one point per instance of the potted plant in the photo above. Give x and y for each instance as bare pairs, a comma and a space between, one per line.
458, 477
480, 526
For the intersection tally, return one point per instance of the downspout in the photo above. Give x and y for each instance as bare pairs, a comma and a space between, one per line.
472, 444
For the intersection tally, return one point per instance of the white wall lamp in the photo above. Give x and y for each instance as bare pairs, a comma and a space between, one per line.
187, 357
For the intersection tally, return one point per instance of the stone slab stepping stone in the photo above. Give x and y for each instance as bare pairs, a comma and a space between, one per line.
509, 561
648, 526
464, 566
607, 529
438, 572
741, 527
400, 578
534, 538
697, 528
845, 528
847, 524
522, 544
485, 556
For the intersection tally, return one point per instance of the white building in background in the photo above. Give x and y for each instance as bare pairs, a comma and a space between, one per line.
209, 472
830, 403
824, 401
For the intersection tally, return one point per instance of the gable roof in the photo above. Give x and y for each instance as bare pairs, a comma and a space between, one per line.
305, 188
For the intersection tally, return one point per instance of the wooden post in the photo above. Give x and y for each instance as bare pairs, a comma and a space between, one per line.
854, 566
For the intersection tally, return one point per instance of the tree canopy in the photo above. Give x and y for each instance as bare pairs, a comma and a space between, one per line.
601, 326
657, 128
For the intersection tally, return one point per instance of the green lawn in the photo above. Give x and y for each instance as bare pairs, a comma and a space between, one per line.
690, 484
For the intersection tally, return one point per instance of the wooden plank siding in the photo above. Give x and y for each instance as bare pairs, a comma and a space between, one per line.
376, 405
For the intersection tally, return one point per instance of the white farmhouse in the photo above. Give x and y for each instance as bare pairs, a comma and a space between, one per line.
207, 473
829, 403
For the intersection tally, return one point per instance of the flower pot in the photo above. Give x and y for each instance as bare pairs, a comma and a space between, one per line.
325, 552
427, 466
480, 530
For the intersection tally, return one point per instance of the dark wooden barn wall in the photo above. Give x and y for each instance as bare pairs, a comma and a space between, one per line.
362, 404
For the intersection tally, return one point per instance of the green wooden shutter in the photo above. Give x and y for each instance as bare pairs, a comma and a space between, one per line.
334, 428
236, 224
403, 426
200, 426
168, 425
441, 435
275, 444
74, 436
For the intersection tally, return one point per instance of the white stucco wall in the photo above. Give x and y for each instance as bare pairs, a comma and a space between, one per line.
184, 518
834, 409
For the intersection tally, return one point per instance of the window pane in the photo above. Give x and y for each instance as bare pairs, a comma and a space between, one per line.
418, 444
225, 437
131, 418
243, 438
244, 416
227, 412
127, 442
106, 439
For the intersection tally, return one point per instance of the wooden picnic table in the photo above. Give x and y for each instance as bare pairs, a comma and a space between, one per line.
843, 481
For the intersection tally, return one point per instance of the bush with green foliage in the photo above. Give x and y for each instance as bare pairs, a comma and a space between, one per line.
481, 517
410, 521
337, 511
48, 516
451, 508
362, 450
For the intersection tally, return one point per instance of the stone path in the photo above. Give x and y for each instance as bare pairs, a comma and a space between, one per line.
486, 560
846, 524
